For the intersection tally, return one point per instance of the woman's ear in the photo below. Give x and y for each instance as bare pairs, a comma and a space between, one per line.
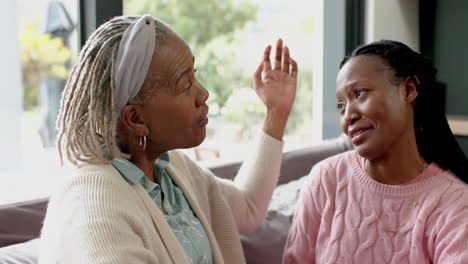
133, 120
410, 90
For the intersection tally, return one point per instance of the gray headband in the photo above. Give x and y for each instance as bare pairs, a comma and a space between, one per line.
133, 60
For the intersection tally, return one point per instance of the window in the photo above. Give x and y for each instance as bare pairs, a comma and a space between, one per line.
227, 39
40, 42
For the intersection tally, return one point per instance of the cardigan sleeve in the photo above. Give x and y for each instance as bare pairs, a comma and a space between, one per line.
250, 193
98, 226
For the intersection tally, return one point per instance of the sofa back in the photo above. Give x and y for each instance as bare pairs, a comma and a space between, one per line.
295, 163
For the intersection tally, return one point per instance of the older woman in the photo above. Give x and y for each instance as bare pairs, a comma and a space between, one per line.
131, 99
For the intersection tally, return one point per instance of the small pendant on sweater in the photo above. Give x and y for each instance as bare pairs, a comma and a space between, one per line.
391, 230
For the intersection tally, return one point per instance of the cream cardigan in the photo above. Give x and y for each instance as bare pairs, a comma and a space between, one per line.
99, 217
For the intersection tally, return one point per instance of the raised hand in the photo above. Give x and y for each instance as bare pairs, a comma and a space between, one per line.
276, 88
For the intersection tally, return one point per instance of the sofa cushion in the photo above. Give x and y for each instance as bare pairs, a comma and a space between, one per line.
266, 243
20, 222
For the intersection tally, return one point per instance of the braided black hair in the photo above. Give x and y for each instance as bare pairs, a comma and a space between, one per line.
434, 139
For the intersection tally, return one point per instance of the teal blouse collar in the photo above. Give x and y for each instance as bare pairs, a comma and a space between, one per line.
134, 174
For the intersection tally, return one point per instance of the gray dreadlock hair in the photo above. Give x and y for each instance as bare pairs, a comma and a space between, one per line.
87, 121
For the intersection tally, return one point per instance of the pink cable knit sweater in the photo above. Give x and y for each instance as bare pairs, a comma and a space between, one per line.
344, 216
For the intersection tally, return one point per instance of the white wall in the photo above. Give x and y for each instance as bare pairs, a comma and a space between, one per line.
11, 105
393, 19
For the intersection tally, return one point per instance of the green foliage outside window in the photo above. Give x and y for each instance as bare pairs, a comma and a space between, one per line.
209, 27
41, 55
198, 22
213, 29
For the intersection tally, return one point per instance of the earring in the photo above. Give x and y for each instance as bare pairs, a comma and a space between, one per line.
143, 143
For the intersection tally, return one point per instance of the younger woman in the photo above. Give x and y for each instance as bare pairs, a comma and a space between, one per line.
401, 196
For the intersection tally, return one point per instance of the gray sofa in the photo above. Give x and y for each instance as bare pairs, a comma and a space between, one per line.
20, 223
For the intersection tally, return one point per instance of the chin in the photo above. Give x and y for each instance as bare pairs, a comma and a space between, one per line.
200, 140
368, 152
196, 141
362, 152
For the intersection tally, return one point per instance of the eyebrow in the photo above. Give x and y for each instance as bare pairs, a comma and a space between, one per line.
186, 71
349, 86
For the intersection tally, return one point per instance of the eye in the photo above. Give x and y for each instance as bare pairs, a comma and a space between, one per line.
358, 93
340, 105
187, 88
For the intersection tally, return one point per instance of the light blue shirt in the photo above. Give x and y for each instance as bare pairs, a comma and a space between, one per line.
184, 223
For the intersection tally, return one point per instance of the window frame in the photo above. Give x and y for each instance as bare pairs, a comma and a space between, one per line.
93, 13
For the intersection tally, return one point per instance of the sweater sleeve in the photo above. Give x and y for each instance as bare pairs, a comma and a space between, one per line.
100, 229
302, 238
451, 238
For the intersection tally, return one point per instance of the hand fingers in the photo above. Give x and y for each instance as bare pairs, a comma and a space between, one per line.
258, 75
293, 68
286, 60
279, 53
266, 58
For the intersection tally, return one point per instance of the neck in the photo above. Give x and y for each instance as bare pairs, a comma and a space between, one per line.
146, 164
402, 164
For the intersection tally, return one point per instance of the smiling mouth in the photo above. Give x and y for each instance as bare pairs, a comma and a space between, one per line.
360, 132
359, 135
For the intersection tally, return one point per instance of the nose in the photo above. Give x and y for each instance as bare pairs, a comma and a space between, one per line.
202, 96
350, 115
